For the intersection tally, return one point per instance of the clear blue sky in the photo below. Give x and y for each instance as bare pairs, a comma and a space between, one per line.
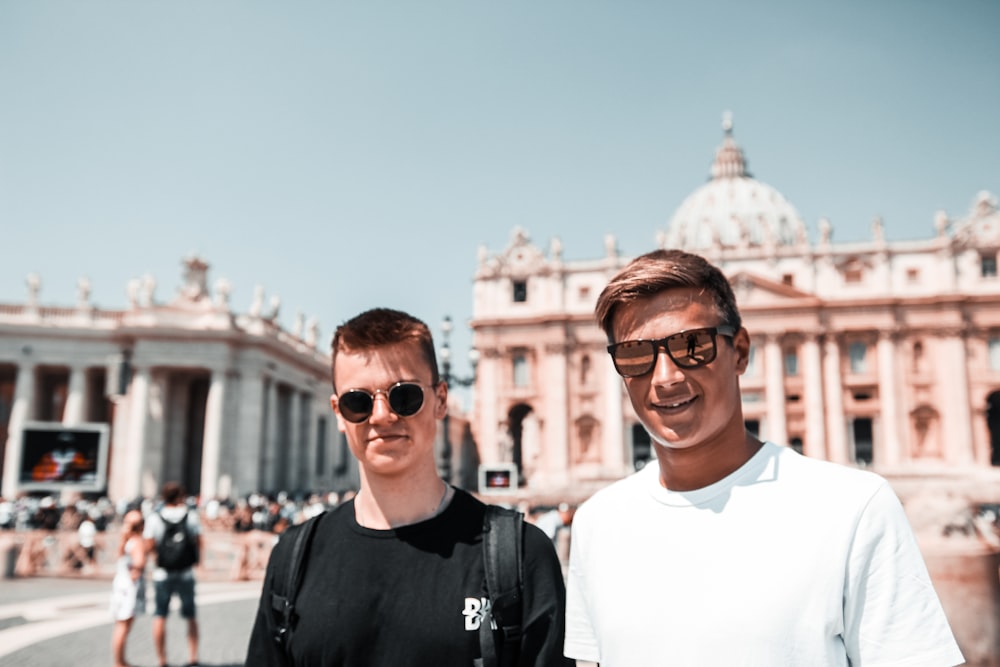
352, 154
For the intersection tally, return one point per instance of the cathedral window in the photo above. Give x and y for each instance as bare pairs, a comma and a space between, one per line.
994, 352
520, 367
520, 294
791, 362
751, 361
863, 441
988, 266
918, 357
858, 355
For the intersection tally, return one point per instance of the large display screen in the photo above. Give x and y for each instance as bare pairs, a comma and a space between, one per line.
56, 456
498, 478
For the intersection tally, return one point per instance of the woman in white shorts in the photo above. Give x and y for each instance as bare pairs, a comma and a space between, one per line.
128, 589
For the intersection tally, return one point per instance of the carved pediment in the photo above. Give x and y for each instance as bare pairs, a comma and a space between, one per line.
521, 259
981, 229
754, 290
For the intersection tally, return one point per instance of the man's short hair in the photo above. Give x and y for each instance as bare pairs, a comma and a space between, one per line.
661, 270
380, 327
172, 492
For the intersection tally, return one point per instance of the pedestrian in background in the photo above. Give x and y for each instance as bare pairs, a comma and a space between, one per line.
174, 532
128, 588
733, 551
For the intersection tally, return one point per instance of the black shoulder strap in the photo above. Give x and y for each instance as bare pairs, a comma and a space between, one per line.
502, 557
285, 585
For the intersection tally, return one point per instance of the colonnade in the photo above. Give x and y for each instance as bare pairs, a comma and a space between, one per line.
257, 431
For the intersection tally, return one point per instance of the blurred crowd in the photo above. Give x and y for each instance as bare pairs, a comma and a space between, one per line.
64, 535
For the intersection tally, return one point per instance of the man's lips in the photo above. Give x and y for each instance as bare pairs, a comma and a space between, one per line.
386, 437
676, 403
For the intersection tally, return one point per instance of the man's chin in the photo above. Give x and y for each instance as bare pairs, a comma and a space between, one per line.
672, 443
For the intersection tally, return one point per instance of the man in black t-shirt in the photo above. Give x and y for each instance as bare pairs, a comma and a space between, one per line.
396, 576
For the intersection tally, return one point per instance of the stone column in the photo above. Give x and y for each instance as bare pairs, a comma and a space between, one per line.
836, 427
487, 397
212, 440
306, 441
153, 457
269, 472
294, 450
557, 429
76, 397
888, 451
812, 371
127, 472
614, 458
774, 387
957, 414
249, 440
21, 412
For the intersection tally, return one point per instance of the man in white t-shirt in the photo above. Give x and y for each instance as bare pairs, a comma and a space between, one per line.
168, 582
733, 551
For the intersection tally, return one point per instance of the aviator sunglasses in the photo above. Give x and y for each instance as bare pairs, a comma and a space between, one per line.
687, 349
404, 398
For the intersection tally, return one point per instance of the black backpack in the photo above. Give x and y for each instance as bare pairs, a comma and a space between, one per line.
500, 629
178, 550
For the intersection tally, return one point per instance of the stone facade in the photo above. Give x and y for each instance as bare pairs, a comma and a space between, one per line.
226, 403
873, 353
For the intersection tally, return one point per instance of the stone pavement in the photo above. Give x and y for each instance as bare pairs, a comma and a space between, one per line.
54, 622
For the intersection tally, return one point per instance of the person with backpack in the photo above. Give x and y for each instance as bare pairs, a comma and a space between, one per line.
173, 534
411, 571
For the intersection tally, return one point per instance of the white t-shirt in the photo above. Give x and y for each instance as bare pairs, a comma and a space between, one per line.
787, 561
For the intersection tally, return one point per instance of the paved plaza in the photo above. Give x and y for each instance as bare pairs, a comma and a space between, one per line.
56, 622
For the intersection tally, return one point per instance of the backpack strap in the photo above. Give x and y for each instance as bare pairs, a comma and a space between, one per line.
500, 630
285, 588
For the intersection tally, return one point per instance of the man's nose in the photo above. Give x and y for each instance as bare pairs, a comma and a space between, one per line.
665, 371
381, 412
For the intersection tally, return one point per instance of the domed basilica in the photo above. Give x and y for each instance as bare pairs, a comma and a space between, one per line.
866, 353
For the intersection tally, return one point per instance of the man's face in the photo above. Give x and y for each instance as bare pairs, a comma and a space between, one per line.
386, 443
684, 407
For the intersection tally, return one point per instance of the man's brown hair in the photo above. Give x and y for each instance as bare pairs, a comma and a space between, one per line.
660, 270
172, 493
379, 327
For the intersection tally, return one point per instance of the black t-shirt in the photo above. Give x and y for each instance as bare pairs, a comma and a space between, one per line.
407, 596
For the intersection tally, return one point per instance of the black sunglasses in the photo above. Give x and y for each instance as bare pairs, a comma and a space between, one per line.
405, 399
688, 349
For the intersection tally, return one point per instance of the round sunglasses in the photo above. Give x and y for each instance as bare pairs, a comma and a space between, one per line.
404, 398
687, 349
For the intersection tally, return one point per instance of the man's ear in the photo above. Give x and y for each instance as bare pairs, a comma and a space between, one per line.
741, 343
441, 400
341, 424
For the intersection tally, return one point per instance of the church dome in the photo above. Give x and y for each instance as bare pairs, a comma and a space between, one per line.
733, 209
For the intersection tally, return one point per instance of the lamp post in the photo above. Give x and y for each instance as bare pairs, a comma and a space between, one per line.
444, 461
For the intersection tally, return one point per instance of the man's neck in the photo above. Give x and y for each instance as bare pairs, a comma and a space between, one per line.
384, 504
697, 467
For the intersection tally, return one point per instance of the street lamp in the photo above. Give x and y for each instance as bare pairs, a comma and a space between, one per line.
444, 461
